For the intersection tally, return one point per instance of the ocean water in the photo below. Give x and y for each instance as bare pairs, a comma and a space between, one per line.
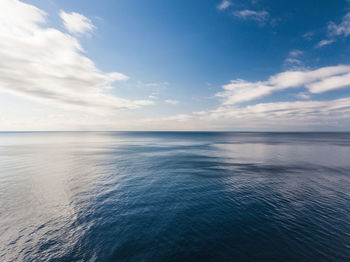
174, 196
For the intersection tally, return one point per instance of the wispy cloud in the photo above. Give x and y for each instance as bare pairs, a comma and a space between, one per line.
258, 16
315, 81
224, 5
293, 61
325, 42
170, 101
298, 110
290, 61
152, 84
340, 29
308, 36
297, 115
49, 66
76, 23
296, 53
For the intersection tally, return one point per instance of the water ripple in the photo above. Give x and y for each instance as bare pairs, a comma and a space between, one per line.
174, 197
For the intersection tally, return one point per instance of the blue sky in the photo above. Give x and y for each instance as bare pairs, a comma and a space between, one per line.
179, 65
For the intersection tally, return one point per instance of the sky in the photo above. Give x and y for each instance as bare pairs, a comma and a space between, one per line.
213, 65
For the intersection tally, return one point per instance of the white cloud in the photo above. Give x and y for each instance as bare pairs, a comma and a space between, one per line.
299, 110
224, 4
325, 42
296, 53
292, 61
259, 16
241, 91
49, 66
330, 83
157, 84
311, 79
341, 29
316, 81
76, 23
152, 84
297, 115
170, 101
308, 36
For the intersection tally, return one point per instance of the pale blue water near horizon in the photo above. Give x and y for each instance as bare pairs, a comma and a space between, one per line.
174, 196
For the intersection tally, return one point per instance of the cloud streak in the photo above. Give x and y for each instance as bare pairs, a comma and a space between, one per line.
325, 42
299, 110
49, 66
258, 16
296, 53
224, 5
315, 81
297, 115
293, 61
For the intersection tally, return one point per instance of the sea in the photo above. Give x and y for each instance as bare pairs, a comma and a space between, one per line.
174, 196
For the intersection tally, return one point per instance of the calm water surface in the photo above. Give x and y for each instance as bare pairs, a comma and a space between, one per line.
119, 196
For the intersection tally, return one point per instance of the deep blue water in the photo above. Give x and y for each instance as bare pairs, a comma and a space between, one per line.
167, 196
